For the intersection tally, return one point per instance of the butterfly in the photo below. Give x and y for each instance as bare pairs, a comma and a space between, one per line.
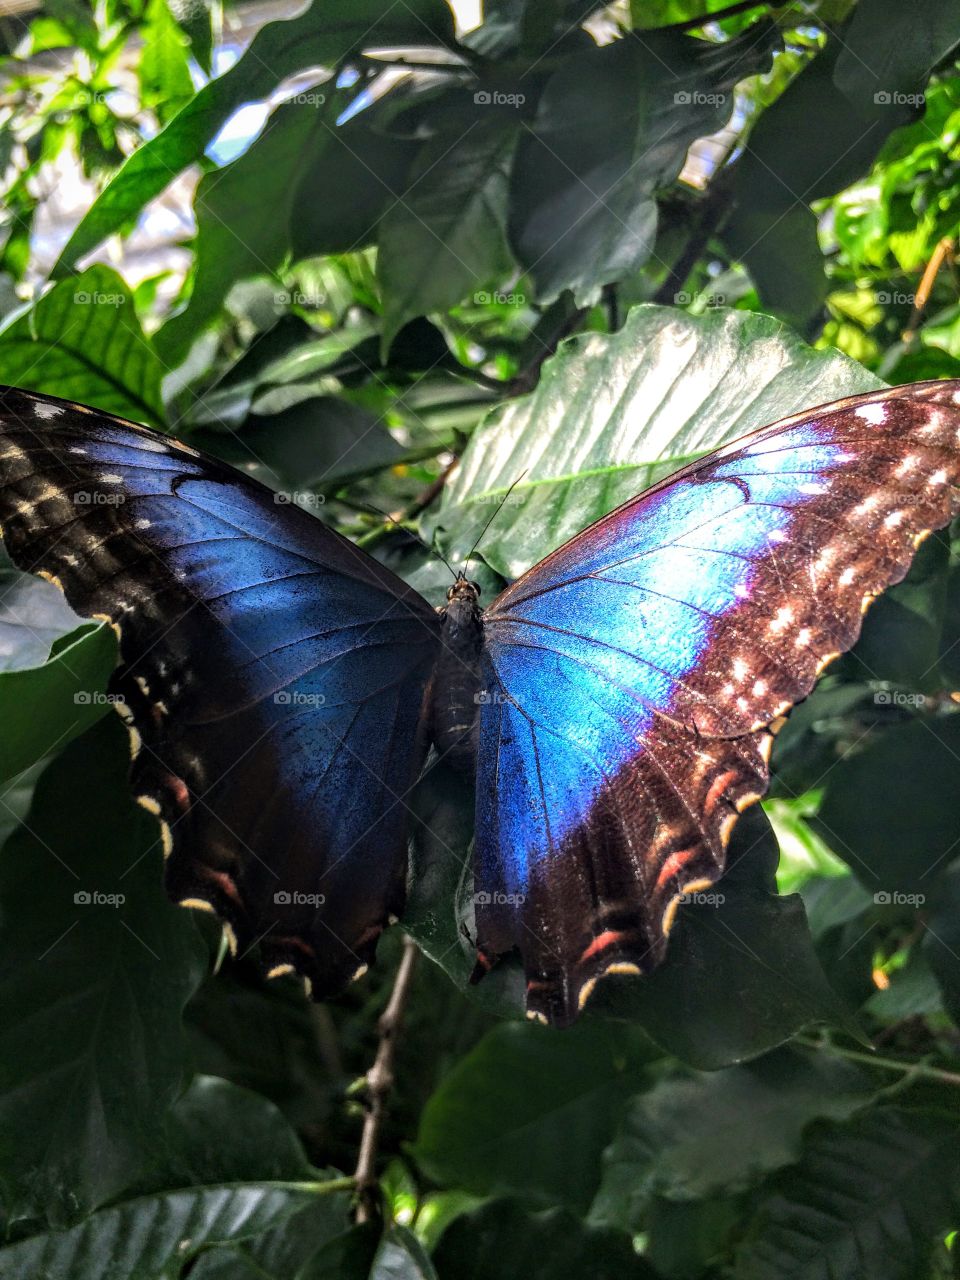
616, 704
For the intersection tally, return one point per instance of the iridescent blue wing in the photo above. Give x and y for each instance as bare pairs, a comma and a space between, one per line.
636, 675
273, 675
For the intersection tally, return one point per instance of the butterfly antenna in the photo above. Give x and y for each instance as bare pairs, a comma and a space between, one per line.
493, 516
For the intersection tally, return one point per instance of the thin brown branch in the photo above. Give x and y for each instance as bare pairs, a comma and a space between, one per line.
941, 254
379, 1084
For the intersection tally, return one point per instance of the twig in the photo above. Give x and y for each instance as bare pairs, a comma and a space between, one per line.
718, 15
426, 496
713, 207
941, 254
885, 1064
528, 378
379, 1084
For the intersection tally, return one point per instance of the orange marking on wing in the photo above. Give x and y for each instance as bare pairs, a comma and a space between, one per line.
674, 865
609, 938
717, 788
224, 883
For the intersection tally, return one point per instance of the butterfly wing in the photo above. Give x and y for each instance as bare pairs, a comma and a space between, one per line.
273, 675
634, 677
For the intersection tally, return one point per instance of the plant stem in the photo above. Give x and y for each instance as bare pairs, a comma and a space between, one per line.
886, 1064
379, 1084
941, 254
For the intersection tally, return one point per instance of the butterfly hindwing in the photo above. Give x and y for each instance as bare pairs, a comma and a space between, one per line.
634, 677
273, 676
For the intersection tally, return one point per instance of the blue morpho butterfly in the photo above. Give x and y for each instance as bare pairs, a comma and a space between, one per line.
617, 702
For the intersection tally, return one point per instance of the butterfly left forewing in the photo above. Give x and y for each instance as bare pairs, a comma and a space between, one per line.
273, 675
636, 673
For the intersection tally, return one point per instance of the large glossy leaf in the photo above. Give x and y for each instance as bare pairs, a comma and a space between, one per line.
42, 708
889, 50
83, 341
155, 1236
613, 414
749, 1120
530, 1111
890, 809
446, 238
33, 614
613, 125
321, 36
504, 1239
864, 1202
95, 968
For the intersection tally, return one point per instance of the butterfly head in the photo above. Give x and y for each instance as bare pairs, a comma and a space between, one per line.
463, 589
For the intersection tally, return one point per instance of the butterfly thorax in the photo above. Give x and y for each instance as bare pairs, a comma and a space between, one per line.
456, 694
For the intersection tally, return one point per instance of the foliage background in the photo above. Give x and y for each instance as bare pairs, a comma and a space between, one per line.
519, 248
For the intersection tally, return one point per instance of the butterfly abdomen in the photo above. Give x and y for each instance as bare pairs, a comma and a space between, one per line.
457, 695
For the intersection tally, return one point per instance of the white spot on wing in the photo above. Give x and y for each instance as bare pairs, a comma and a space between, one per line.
874, 413
111, 478
46, 411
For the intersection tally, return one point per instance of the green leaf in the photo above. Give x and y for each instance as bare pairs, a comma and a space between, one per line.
778, 244
95, 968
240, 234
865, 1202
896, 837
613, 414
82, 341
749, 1120
506, 1240
447, 237
613, 126
218, 1132
322, 36
320, 441
155, 1236
890, 49
400, 1256
529, 1111
33, 614
42, 708
164, 70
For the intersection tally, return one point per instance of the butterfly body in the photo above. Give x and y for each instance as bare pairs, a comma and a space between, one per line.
616, 704
456, 693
